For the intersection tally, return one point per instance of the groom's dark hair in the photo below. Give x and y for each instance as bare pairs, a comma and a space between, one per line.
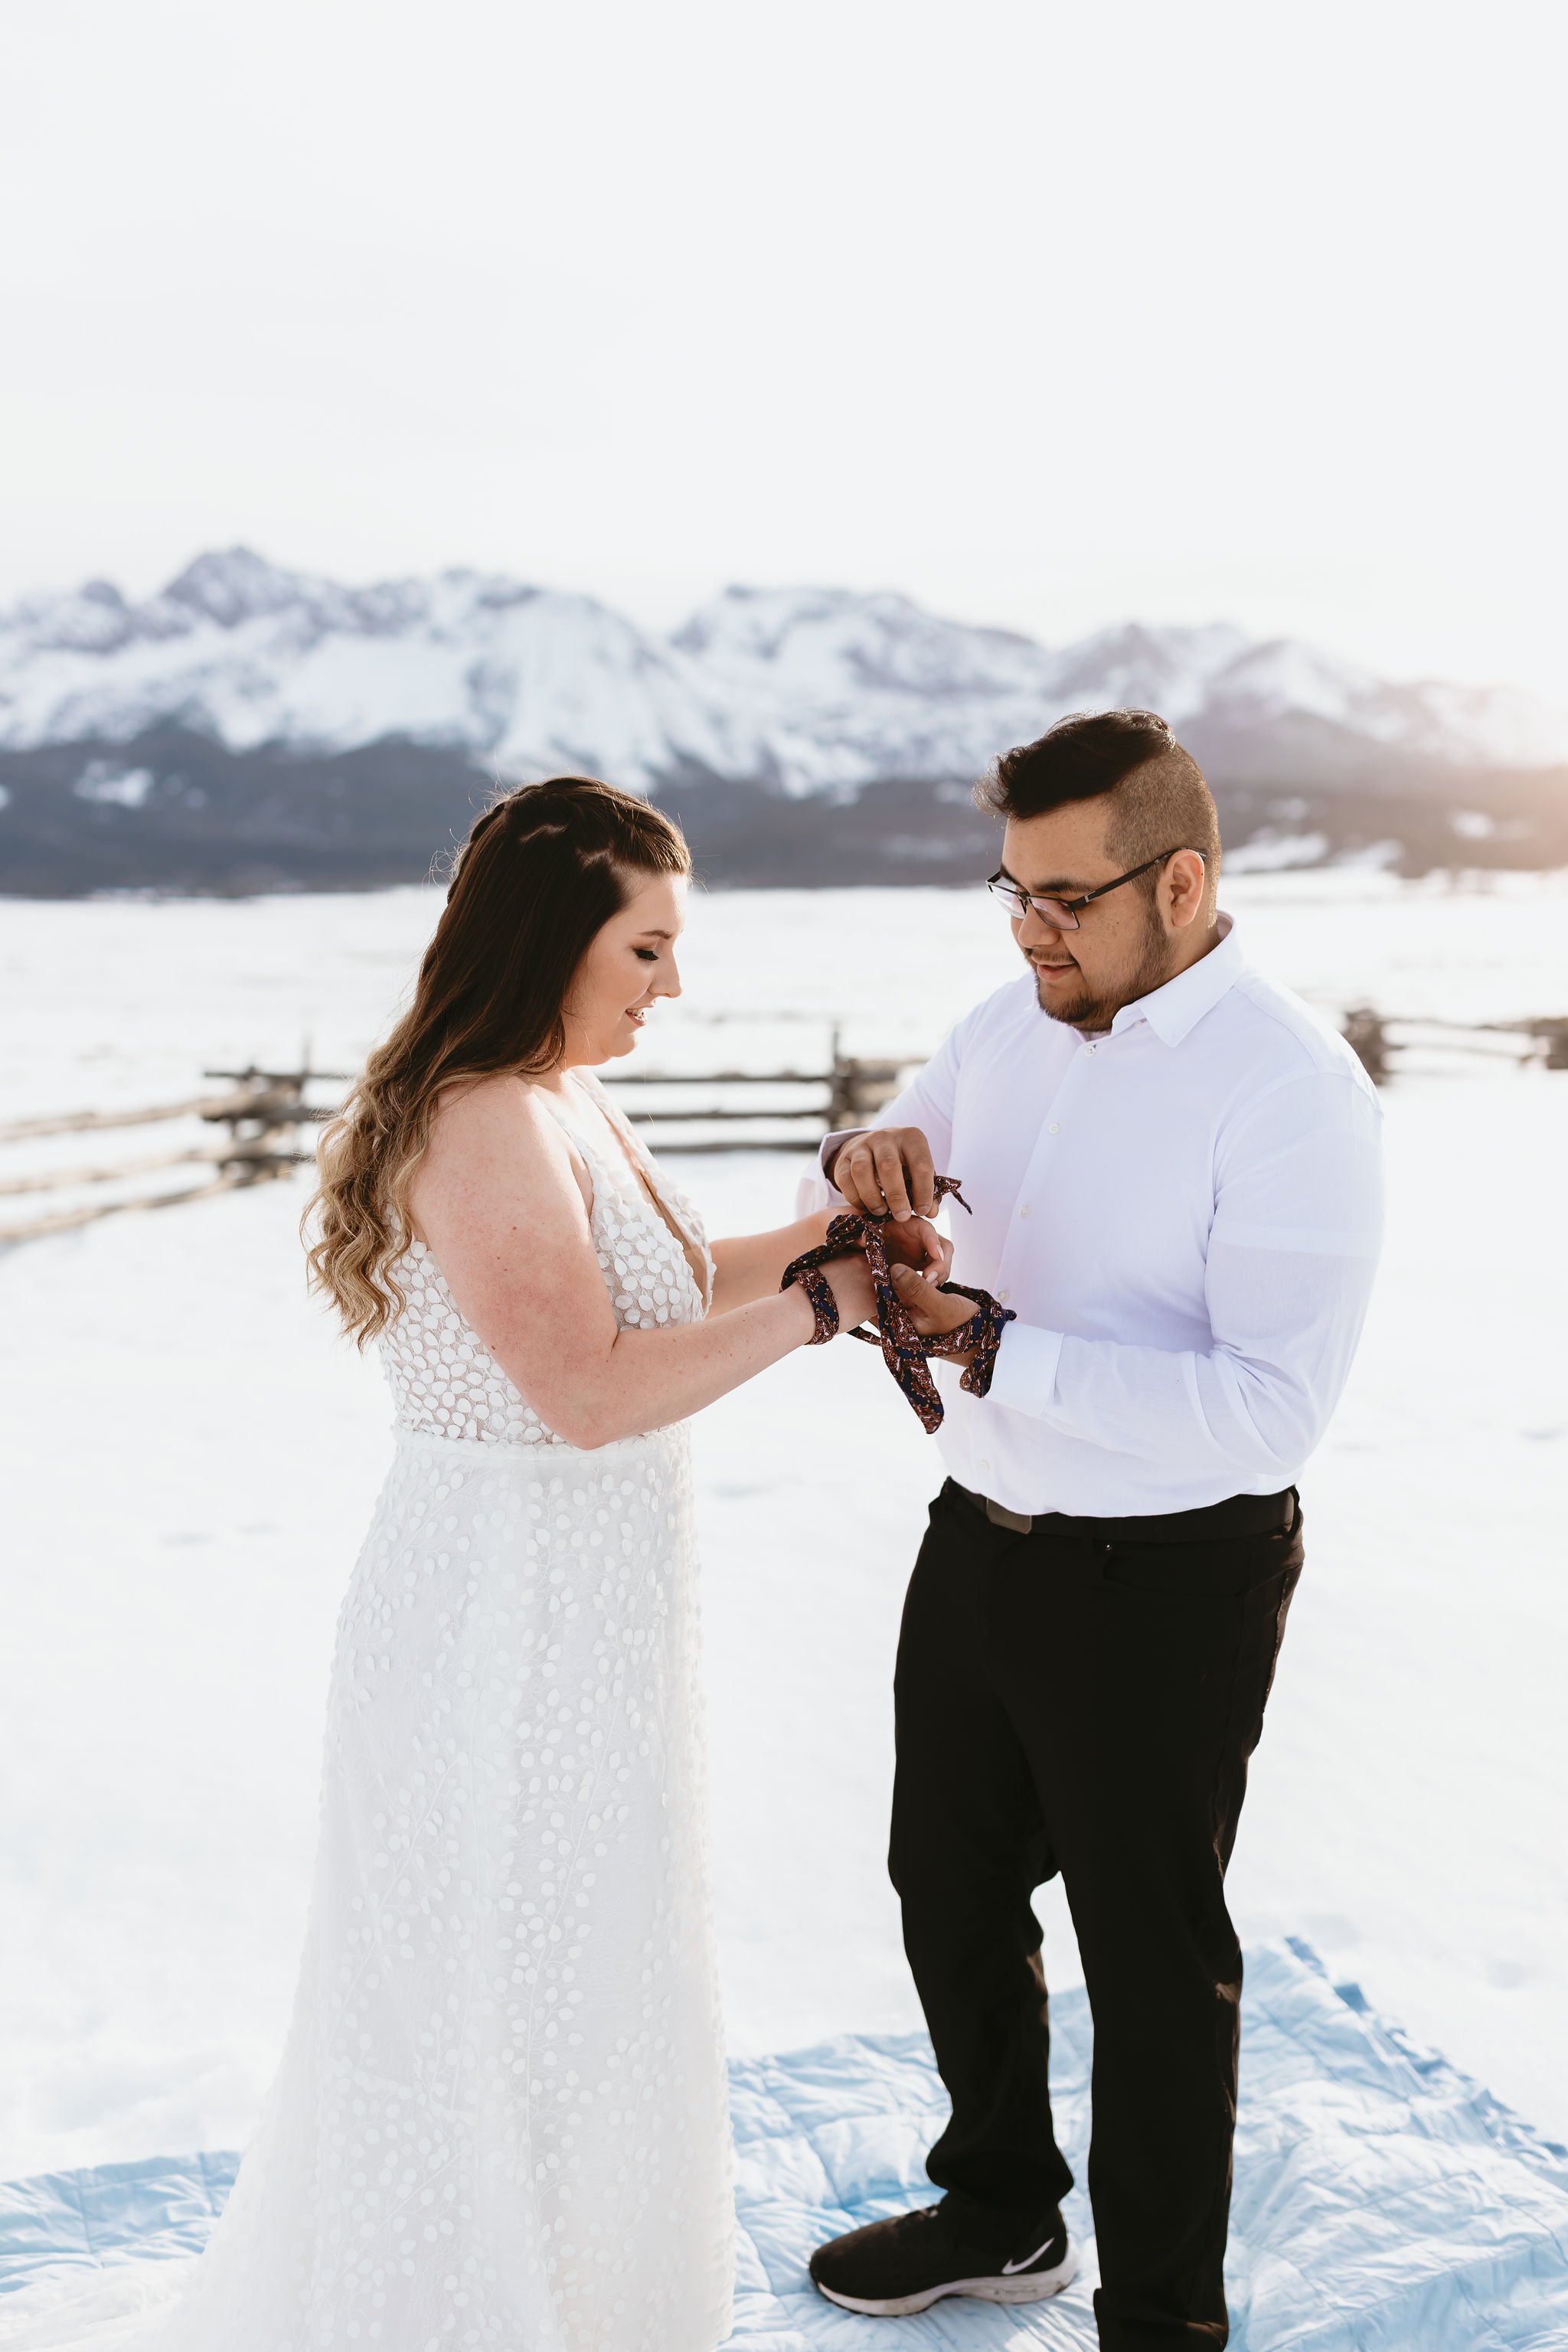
1157, 794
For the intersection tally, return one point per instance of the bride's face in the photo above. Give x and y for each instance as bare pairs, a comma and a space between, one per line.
630, 964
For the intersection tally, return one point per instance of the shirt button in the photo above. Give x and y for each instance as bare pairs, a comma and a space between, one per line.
1024, 1210
1054, 1129
1003, 1295
986, 1465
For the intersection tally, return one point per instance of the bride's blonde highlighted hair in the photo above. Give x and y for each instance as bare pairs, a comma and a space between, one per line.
539, 876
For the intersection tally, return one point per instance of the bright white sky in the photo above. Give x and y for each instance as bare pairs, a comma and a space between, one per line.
1050, 314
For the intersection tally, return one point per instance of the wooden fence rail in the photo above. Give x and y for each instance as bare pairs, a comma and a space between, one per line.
849, 1091
1376, 1037
222, 1155
81, 1123
262, 1110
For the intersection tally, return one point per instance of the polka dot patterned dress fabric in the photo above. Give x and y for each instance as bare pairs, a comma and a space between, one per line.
500, 2119
444, 1380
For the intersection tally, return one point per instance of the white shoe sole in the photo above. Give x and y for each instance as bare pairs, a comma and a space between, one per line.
1038, 2287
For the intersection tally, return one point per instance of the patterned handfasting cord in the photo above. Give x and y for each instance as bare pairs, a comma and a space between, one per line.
904, 1349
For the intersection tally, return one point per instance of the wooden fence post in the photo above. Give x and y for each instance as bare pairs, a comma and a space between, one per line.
1366, 1034
858, 1090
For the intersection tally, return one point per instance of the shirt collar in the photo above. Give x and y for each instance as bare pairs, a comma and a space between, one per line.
1177, 1007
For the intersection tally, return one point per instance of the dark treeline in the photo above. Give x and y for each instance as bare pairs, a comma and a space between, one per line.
179, 812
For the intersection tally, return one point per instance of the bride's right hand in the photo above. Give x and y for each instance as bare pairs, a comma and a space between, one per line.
849, 1279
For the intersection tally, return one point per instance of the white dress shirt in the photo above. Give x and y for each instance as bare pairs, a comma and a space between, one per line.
1185, 1215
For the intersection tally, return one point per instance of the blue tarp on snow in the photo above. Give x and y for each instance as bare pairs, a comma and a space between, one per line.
1382, 2203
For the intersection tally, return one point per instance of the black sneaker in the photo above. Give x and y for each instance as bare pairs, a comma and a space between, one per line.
905, 2264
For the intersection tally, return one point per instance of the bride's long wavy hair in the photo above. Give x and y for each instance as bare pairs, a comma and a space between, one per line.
539, 876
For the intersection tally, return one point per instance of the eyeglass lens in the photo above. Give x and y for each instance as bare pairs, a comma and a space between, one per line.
1049, 910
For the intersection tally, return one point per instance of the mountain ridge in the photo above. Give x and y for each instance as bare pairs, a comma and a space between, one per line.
251, 729
804, 690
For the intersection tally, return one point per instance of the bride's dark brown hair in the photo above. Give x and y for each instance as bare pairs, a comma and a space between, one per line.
538, 878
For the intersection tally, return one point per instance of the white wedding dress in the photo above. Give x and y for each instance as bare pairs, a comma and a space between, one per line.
500, 2117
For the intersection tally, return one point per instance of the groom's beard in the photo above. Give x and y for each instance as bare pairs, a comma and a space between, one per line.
1080, 1008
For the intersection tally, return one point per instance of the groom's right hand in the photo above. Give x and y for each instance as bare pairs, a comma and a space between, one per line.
887, 1170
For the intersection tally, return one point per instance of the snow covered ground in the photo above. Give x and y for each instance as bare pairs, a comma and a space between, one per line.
188, 1456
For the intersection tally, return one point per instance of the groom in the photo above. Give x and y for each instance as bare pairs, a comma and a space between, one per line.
1174, 1173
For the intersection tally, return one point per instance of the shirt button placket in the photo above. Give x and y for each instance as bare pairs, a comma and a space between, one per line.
1053, 1127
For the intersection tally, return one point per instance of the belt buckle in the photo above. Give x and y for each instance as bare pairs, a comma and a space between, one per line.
1017, 1523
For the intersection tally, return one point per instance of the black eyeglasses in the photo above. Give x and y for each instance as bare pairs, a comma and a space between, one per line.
1062, 913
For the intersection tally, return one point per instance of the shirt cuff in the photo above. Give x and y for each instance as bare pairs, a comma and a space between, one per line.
829, 1149
1025, 1373
813, 1193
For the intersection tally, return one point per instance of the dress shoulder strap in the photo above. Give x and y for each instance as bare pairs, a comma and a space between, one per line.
638, 1165
575, 1119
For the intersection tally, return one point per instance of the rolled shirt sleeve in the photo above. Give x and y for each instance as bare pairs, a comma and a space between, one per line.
816, 1189
1292, 1255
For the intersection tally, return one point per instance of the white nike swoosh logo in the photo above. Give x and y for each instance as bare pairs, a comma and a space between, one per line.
1008, 2268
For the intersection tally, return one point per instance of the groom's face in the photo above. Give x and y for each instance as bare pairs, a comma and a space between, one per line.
1124, 944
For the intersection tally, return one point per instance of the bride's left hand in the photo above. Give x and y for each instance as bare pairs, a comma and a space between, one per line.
915, 1242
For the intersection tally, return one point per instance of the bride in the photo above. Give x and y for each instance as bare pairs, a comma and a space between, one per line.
500, 2119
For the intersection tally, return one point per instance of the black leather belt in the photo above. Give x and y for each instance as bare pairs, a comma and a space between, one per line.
1239, 1514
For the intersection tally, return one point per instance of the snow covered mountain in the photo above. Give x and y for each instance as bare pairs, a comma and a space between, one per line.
239, 649
810, 691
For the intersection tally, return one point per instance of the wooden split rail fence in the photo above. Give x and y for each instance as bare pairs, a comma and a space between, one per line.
849, 1092
1376, 1037
264, 1110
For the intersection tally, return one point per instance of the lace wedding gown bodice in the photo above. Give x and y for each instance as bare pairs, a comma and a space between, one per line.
443, 1379
499, 2124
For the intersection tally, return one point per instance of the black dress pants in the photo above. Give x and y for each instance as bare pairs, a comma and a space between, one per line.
1084, 1699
